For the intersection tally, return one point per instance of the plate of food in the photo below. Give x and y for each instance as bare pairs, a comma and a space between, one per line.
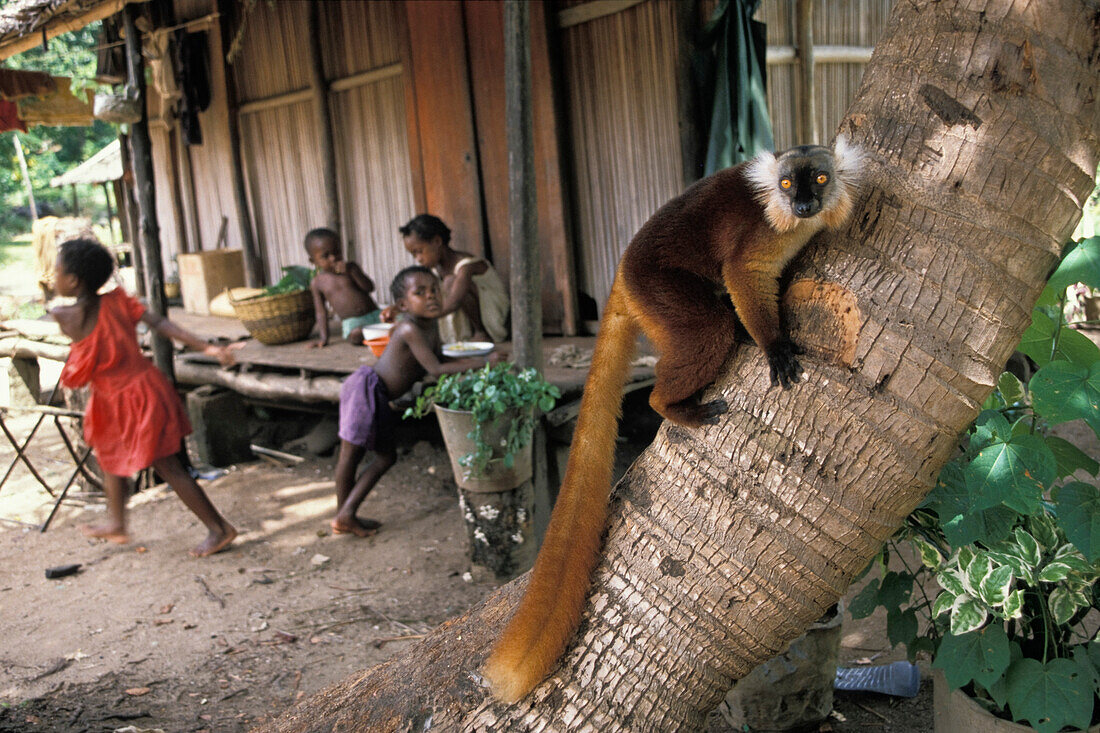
462, 349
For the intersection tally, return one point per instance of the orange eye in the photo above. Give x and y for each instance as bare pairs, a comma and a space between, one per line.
785, 183
822, 179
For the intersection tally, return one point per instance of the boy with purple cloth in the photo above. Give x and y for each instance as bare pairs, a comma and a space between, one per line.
366, 420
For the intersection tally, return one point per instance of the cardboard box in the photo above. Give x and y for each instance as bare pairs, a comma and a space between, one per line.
204, 275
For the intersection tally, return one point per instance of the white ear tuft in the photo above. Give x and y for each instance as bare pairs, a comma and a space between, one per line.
847, 158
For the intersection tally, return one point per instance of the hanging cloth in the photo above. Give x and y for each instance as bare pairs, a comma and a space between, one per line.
730, 69
9, 117
60, 108
193, 78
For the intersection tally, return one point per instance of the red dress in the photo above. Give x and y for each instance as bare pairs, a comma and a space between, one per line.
134, 415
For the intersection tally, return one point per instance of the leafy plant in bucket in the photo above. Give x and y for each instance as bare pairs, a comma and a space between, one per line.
1012, 538
489, 393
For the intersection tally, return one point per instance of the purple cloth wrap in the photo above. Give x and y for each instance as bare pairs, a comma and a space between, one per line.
365, 415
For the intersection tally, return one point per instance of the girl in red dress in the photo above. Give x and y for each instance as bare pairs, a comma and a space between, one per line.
134, 418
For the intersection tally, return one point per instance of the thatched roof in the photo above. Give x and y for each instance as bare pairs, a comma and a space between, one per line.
106, 165
22, 22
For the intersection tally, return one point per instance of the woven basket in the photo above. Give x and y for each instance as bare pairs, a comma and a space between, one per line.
276, 319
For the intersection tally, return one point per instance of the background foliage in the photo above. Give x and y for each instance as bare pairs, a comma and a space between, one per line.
51, 151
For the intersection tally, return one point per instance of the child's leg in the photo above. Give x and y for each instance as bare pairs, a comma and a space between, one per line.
350, 495
117, 489
195, 499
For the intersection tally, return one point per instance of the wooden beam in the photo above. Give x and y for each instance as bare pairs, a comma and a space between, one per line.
323, 118
804, 32
141, 149
526, 278
110, 213
779, 55
592, 10
54, 29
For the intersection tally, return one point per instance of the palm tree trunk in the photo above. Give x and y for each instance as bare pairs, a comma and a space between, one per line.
982, 133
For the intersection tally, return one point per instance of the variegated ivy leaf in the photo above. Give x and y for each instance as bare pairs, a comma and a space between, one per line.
943, 603
1027, 548
950, 579
1017, 565
929, 556
1014, 604
964, 556
1063, 604
997, 585
1054, 572
1041, 527
967, 614
980, 567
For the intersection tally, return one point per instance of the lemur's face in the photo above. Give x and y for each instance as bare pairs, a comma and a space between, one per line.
805, 176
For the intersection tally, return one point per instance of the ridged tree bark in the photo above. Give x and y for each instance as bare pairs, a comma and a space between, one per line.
981, 126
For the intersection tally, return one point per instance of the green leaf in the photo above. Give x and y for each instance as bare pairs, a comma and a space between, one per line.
1079, 513
901, 626
1038, 340
865, 602
1049, 696
981, 656
986, 525
930, 557
895, 590
1010, 388
1080, 264
1062, 392
976, 572
996, 586
1076, 347
1013, 472
967, 614
1070, 458
950, 498
990, 426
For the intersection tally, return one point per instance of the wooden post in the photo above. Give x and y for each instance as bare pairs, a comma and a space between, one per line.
253, 268
26, 177
141, 149
323, 118
76, 200
804, 31
526, 280
126, 201
110, 212
687, 97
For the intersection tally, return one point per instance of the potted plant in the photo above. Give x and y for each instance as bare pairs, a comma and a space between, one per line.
487, 419
1012, 540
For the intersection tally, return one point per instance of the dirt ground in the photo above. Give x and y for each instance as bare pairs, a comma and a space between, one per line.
146, 636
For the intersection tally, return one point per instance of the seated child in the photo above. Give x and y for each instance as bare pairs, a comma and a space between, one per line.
343, 285
366, 419
475, 299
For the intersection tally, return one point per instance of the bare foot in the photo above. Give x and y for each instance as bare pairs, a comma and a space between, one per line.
106, 532
215, 542
358, 527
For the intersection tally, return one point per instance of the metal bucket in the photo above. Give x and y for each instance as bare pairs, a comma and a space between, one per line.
456, 426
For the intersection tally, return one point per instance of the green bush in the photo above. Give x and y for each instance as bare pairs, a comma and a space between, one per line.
1011, 538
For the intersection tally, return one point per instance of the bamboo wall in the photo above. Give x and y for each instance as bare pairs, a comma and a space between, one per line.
619, 74
836, 23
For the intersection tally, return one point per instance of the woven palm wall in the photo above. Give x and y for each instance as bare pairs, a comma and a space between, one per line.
856, 23
619, 74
